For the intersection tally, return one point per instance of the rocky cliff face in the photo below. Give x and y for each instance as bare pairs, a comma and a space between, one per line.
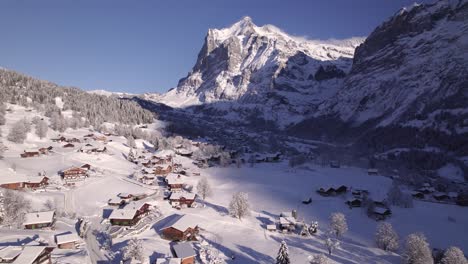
409, 70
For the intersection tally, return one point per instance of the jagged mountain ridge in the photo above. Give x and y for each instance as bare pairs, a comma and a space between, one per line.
251, 64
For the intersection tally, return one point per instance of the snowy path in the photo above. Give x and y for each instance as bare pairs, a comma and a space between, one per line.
92, 245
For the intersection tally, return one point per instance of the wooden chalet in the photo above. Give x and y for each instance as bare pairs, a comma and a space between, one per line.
175, 182
181, 228
116, 202
163, 171
372, 171
39, 220
440, 196
30, 154
184, 153
67, 241
184, 251
36, 182
287, 223
12, 182
45, 151
125, 196
86, 167
59, 139
74, 174
68, 145
129, 215
355, 202
380, 213
332, 191
182, 199
33, 255
417, 194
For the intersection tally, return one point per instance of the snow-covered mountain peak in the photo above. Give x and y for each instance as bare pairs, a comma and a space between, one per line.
245, 62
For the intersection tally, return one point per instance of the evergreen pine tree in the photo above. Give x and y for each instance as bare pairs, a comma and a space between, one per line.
283, 254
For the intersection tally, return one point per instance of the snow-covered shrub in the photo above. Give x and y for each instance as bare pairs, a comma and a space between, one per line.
386, 238
283, 254
133, 250
313, 228
14, 207
17, 132
331, 244
319, 259
453, 255
239, 205
417, 250
338, 224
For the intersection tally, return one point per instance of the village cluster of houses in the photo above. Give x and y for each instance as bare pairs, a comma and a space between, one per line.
428, 193
38, 253
30, 153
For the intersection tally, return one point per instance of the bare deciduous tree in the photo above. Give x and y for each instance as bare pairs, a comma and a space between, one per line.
386, 238
204, 188
417, 250
338, 224
239, 205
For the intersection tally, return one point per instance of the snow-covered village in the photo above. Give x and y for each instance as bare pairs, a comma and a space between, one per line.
274, 148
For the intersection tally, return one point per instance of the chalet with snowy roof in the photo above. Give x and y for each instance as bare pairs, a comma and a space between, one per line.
67, 241
185, 252
287, 223
100, 138
175, 182
30, 154
12, 181
125, 196
59, 139
45, 151
68, 145
181, 228
182, 199
440, 196
163, 171
271, 228
359, 193
332, 190
74, 174
86, 167
354, 202
116, 202
39, 220
184, 153
73, 140
36, 182
130, 214
380, 213
417, 194
34, 255
372, 171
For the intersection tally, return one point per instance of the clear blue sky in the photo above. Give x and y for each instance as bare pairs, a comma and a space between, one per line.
147, 46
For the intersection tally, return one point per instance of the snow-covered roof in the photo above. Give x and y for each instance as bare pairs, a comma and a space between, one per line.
66, 238
271, 227
11, 178
168, 261
286, 214
135, 205
9, 253
184, 250
287, 220
178, 195
29, 254
182, 222
39, 218
115, 200
380, 210
174, 179
123, 195
124, 214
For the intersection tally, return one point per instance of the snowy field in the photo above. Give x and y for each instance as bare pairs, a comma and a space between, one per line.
272, 188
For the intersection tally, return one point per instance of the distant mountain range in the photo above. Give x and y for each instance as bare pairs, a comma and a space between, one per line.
408, 78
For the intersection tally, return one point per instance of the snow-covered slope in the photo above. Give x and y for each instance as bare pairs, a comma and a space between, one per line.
252, 64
